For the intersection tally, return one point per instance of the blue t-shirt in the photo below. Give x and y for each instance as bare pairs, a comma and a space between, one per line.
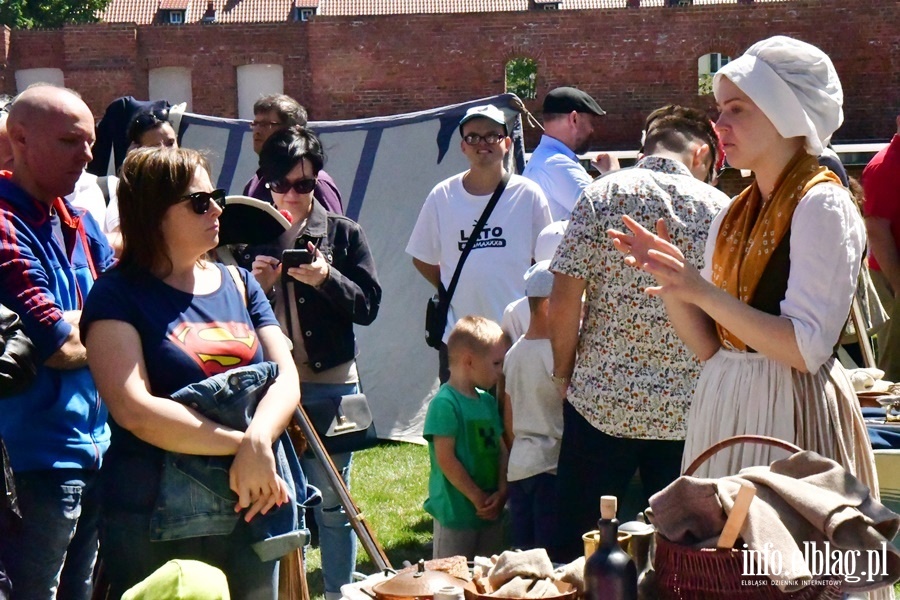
185, 338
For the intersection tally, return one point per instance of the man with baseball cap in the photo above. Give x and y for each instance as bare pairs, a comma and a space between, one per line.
571, 117
492, 274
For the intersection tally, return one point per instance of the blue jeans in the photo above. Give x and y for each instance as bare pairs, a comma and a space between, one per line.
337, 539
194, 494
51, 553
532, 510
129, 556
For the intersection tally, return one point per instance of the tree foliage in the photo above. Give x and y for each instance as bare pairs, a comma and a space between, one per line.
521, 78
28, 14
704, 85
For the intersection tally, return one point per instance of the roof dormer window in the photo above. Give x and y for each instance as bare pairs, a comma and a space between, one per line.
305, 10
173, 12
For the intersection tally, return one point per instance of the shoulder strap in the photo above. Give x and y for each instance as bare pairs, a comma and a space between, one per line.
473, 237
103, 184
235, 274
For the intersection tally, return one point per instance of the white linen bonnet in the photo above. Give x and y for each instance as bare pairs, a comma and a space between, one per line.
795, 85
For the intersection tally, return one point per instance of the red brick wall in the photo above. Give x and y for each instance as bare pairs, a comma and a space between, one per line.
631, 60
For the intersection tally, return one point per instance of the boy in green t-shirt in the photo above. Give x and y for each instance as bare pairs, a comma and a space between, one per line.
467, 483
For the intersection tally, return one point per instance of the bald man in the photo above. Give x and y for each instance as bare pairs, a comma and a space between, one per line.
55, 431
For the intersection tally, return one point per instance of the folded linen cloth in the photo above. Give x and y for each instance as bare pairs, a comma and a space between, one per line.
543, 588
572, 573
868, 379
531, 564
517, 587
806, 507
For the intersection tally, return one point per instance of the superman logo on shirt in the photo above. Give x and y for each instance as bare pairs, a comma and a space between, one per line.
216, 347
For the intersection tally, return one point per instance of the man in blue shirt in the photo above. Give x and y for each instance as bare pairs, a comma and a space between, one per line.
571, 118
55, 430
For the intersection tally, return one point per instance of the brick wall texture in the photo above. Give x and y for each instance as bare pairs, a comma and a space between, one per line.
631, 60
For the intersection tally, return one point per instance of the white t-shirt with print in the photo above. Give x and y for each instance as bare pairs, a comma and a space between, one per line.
492, 275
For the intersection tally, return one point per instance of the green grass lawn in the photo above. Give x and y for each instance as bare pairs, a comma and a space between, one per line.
389, 484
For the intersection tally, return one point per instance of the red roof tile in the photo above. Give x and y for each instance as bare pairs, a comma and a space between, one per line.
254, 11
173, 4
143, 12
399, 7
130, 11
386, 7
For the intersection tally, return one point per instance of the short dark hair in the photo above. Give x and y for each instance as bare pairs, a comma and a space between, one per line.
673, 127
289, 111
150, 181
145, 121
286, 148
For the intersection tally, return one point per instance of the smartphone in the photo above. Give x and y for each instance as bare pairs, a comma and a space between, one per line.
295, 257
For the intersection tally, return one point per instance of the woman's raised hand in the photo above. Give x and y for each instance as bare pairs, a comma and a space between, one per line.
637, 245
655, 254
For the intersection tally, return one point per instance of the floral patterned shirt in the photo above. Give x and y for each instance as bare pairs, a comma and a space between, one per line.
633, 376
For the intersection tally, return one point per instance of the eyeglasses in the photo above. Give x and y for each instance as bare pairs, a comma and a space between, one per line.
264, 124
301, 186
200, 200
473, 139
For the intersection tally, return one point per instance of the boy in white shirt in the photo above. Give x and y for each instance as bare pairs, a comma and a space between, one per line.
533, 420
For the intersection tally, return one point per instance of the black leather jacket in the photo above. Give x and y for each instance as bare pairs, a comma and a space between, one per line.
351, 294
17, 355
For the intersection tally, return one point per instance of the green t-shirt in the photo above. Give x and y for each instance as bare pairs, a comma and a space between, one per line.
476, 425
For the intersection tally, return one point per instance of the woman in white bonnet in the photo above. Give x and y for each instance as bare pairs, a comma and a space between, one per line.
782, 261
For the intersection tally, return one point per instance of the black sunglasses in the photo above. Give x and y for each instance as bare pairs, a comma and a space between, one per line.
200, 200
146, 120
301, 186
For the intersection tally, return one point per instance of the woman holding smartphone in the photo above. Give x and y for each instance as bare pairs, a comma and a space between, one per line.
317, 305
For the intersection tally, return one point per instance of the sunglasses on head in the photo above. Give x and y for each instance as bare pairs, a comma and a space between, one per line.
301, 186
150, 118
200, 200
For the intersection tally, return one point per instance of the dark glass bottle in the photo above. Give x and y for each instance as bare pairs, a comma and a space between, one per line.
609, 574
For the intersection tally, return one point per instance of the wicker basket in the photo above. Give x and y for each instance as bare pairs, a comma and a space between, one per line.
684, 573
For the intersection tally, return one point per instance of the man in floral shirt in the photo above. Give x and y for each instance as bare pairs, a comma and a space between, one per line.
628, 391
